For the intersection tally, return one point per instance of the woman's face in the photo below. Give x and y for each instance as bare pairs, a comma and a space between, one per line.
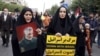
62, 13
28, 16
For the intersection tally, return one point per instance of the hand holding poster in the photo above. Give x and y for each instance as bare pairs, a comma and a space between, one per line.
60, 46
27, 36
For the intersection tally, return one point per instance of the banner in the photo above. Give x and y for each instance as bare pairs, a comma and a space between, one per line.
27, 36
60, 46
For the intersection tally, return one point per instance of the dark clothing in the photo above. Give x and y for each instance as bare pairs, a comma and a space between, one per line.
80, 44
14, 41
98, 38
38, 20
80, 51
34, 52
16, 49
42, 39
92, 37
98, 29
5, 24
93, 26
5, 28
73, 18
98, 24
13, 23
26, 45
80, 38
61, 26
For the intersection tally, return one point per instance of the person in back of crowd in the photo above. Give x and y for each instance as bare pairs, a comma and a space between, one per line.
72, 17
93, 24
42, 43
36, 17
26, 17
44, 30
79, 29
98, 29
46, 19
13, 21
17, 13
5, 21
88, 46
96, 16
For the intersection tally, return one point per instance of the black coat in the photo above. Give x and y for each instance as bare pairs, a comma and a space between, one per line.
42, 39
13, 22
80, 35
62, 26
15, 45
38, 20
58, 27
73, 18
35, 52
5, 25
80, 38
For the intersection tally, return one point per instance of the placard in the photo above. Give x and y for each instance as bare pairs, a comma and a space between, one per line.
60, 46
27, 36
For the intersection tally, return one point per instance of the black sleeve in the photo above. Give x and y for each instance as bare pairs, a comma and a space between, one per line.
50, 30
72, 31
10, 21
0, 21
15, 45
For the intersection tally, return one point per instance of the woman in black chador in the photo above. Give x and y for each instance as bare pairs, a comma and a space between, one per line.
80, 33
25, 17
60, 24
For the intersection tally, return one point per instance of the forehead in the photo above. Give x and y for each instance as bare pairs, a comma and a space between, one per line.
29, 12
5, 9
62, 9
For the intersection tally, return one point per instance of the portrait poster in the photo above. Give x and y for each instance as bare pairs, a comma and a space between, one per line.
60, 46
27, 36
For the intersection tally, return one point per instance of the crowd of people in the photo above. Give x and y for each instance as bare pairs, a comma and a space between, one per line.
85, 28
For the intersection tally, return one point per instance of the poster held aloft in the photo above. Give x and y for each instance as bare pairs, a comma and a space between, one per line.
27, 36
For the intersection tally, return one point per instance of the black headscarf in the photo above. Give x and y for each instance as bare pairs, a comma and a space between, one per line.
37, 19
76, 24
21, 19
60, 25
56, 16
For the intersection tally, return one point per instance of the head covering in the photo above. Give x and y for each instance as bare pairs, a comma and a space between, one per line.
64, 5
76, 24
21, 19
56, 16
60, 25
